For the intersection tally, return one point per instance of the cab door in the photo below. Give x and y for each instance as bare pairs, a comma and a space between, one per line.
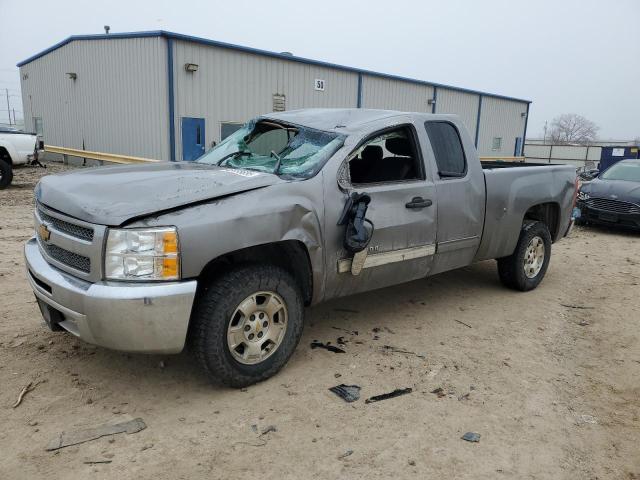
388, 166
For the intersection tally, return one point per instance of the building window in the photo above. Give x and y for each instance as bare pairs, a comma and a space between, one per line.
447, 149
497, 143
37, 125
227, 128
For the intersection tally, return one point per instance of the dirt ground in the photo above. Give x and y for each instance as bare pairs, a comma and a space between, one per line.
550, 379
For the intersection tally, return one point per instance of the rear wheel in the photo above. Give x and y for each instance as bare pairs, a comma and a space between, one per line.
6, 174
526, 267
247, 323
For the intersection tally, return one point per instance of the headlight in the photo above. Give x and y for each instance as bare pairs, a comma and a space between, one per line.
583, 196
142, 254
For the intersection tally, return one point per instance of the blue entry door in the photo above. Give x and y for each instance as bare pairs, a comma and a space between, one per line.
192, 138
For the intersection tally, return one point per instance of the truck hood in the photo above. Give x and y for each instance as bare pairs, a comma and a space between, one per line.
113, 195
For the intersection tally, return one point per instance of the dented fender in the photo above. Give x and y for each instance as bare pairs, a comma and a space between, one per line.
280, 212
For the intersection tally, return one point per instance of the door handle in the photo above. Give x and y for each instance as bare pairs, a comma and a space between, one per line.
419, 202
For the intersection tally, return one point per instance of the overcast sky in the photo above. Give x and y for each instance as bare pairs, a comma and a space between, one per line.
567, 56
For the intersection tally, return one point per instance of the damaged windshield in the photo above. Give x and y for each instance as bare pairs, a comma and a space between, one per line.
272, 147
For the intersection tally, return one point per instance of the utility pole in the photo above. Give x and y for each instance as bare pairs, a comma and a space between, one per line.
544, 139
14, 117
8, 108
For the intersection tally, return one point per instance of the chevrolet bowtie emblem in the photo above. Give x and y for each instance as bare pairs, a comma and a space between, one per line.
44, 232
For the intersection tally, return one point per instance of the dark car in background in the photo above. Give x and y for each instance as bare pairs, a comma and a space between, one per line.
613, 197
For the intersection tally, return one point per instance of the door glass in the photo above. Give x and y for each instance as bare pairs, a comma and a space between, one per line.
388, 157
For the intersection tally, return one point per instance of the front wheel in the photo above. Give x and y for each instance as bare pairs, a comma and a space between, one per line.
247, 323
6, 174
526, 267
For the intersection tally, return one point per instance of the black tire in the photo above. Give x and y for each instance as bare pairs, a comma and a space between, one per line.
214, 308
6, 174
511, 269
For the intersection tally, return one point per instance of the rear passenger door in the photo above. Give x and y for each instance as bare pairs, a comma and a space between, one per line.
389, 167
459, 184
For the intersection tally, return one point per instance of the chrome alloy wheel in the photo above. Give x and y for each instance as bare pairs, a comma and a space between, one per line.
534, 257
257, 327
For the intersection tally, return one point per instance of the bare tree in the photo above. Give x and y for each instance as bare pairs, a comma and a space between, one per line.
572, 128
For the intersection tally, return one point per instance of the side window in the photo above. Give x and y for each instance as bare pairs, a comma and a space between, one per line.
447, 149
388, 157
496, 144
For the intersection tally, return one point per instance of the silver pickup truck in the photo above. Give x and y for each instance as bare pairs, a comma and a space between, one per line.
293, 209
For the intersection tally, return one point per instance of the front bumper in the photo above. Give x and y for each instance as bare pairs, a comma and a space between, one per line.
603, 217
134, 317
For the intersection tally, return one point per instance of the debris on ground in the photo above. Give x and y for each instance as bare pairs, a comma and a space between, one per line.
26, 389
385, 396
579, 307
81, 436
350, 332
471, 437
588, 419
341, 341
439, 392
345, 454
96, 462
327, 346
412, 463
400, 350
349, 393
270, 428
464, 397
462, 323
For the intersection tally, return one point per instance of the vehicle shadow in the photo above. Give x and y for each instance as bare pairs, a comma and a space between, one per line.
143, 372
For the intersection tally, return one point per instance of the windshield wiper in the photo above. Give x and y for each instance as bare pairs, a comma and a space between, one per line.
239, 153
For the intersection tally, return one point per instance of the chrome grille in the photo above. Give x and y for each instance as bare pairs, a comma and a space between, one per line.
77, 231
614, 206
73, 260
70, 244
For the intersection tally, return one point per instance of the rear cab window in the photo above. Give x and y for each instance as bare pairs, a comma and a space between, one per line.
447, 149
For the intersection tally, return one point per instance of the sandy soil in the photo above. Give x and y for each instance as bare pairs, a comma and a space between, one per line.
550, 379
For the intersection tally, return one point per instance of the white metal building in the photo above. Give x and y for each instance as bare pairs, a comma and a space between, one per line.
168, 96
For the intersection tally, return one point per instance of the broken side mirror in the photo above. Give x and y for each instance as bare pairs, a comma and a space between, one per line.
358, 230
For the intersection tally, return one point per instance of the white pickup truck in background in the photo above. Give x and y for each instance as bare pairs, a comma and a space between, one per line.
16, 148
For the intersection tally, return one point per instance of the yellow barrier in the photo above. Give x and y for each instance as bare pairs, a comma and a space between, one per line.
112, 157
506, 159
105, 157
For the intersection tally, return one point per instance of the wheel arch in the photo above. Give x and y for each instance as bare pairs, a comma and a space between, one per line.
290, 255
547, 213
5, 155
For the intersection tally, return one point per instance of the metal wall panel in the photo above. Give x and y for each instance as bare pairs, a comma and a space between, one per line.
391, 94
118, 103
463, 104
503, 119
232, 86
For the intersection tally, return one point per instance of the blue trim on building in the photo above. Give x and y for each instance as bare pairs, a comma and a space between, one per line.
172, 127
478, 120
256, 51
434, 99
524, 134
359, 103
